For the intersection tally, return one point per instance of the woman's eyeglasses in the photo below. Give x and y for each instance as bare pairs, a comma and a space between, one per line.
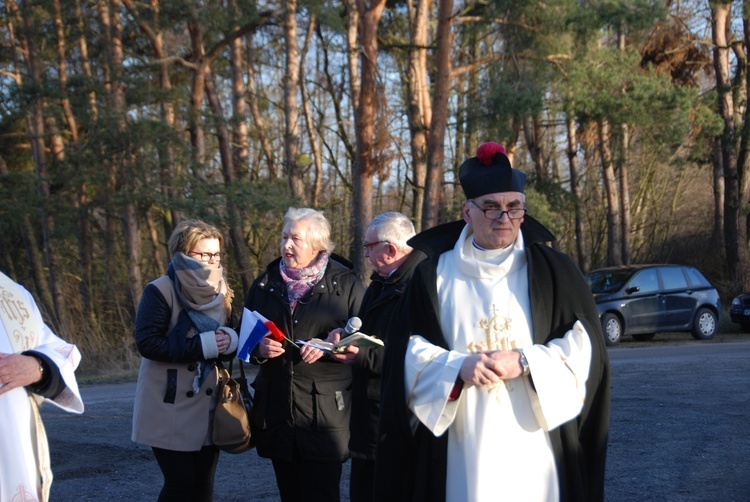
207, 257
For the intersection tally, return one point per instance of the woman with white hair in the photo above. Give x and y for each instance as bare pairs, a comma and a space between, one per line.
302, 399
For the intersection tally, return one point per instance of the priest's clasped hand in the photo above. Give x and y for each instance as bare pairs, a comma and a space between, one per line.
17, 370
490, 367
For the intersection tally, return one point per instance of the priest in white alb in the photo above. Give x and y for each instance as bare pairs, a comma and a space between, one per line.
497, 384
35, 366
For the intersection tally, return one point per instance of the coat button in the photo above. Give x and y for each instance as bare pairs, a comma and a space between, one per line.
191, 367
209, 392
190, 393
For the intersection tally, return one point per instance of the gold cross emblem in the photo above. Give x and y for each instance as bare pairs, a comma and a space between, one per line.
497, 336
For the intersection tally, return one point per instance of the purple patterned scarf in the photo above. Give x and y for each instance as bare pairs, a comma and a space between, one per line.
299, 281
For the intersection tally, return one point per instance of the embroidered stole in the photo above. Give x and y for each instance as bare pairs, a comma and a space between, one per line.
22, 328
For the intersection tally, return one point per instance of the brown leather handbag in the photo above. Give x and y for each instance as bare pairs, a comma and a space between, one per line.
231, 427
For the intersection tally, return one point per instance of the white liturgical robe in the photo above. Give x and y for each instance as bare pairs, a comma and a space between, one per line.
24, 460
498, 446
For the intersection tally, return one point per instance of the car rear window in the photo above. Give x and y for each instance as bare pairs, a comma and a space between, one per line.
673, 278
696, 278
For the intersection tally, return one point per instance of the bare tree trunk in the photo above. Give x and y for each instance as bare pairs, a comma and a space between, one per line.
291, 113
471, 142
121, 178
260, 127
625, 195
512, 145
354, 11
59, 146
230, 178
62, 71
6, 261
170, 170
314, 145
614, 219
623, 172
156, 247
35, 258
85, 245
743, 163
532, 136
130, 216
364, 120
419, 105
718, 192
36, 130
573, 167
198, 89
240, 133
436, 140
336, 98
721, 30
110, 185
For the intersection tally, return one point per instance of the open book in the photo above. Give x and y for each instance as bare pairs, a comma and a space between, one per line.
357, 339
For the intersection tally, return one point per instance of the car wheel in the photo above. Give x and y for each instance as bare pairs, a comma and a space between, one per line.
644, 337
612, 328
704, 325
745, 327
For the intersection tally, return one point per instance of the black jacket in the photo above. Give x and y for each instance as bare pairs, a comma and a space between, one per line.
377, 312
300, 406
412, 466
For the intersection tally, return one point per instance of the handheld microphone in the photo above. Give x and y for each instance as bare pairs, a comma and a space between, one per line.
353, 325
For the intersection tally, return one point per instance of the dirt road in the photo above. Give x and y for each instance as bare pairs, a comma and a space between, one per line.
679, 432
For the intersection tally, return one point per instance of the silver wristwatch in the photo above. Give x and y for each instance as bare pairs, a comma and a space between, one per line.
523, 362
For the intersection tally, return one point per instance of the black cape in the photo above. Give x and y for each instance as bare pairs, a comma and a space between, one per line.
412, 466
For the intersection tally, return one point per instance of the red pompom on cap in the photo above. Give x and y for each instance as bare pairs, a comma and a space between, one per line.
486, 151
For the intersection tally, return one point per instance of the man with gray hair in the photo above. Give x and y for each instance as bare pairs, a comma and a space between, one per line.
394, 262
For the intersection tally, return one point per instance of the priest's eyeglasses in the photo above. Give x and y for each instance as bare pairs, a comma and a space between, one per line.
207, 257
494, 213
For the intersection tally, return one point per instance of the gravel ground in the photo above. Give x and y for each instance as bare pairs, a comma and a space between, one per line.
679, 432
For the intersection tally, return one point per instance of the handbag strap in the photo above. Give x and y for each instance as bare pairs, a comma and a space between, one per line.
231, 363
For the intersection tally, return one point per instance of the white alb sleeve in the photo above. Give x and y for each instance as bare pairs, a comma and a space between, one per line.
559, 370
430, 373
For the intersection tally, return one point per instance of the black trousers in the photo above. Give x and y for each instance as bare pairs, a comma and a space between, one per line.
188, 475
361, 486
302, 480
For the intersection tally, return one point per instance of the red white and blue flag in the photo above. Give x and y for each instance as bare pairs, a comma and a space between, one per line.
254, 327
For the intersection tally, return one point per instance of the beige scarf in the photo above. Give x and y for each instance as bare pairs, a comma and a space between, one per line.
22, 328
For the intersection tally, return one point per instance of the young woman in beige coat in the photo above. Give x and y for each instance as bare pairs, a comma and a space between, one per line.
180, 331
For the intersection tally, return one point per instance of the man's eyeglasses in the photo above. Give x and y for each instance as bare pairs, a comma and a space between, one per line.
494, 213
370, 244
207, 257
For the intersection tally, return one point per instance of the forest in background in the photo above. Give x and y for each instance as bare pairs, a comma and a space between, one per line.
119, 118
